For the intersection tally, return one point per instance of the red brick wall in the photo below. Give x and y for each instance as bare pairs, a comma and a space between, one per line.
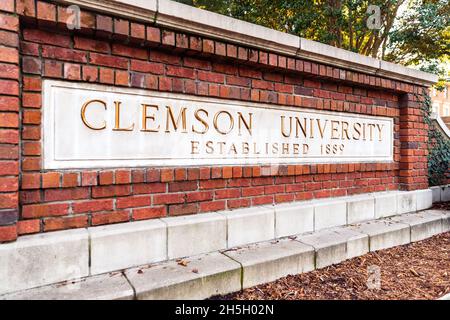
119, 52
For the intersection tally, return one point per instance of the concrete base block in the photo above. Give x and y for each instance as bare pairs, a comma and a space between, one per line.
265, 262
250, 225
446, 222
38, 260
385, 204
330, 214
202, 277
436, 193
445, 214
102, 287
423, 224
384, 234
360, 208
335, 245
293, 219
186, 235
126, 245
445, 193
407, 202
424, 199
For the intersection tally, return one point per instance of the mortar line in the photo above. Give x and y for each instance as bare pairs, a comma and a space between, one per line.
131, 285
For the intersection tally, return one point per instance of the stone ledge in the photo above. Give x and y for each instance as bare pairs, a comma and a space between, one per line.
182, 17
199, 278
216, 273
113, 286
268, 261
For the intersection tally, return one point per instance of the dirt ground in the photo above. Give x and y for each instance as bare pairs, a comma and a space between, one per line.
419, 270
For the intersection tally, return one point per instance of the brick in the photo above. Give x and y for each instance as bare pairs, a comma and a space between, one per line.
8, 233
108, 61
227, 193
87, 20
110, 217
8, 184
147, 67
128, 51
110, 191
31, 132
199, 196
121, 27
9, 168
93, 206
168, 38
51, 180
212, 184
183, 209
9, 103
70, 180
9, 55
46, 11
138, 176
133, 202
9, 120
153, 34
31, 100
26, 7
72, 71
104, 24
107, 76
31, 181
183, 186
7, 5
9, 22
53, 52
90, 73
9, 136
89, 178
9, 200
168, 198
66, 194
149, 188
64, 223
106, 177
121, 78
212, 206
45, 210
91, 45
137, 31
40, 36
28, 226
53, 69
149, 213
31, 164
31, 117
10, 39
180, 72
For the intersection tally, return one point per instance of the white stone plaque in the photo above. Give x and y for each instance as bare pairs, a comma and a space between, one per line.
94, 126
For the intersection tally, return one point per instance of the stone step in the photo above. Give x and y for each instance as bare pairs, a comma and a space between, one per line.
222, 272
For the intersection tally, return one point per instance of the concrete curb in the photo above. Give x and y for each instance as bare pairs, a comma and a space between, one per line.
223, 272
446, 297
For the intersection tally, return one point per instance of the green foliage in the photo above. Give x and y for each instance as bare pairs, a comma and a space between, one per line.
438, 148
412, 31
422, 32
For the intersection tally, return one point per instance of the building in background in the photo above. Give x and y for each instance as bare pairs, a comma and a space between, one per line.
441, 101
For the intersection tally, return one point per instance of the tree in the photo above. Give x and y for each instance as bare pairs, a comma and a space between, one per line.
410, 31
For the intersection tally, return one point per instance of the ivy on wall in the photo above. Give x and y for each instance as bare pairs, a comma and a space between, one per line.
438, 147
